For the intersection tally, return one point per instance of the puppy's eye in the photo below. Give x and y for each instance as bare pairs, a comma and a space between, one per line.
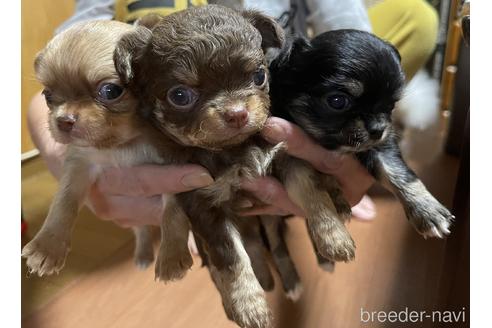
259, 77
338, 101
48, 96
182, 96
109, 92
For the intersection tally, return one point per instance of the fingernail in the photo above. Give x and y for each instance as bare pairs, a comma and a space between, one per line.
197, 180
274, 133
333, 160
246, 203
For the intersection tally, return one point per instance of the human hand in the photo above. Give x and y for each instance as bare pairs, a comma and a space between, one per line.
351, 175
136, 195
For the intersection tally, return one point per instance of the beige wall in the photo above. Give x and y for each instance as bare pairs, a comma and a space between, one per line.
39, 20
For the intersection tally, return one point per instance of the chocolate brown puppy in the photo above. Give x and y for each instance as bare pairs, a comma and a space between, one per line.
202, 80
91, 112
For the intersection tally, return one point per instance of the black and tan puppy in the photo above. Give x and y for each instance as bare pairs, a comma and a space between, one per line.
202, 79
341, 88
91, 112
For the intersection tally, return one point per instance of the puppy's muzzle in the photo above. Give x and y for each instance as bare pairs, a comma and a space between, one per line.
65, 123
377, 133
236, 117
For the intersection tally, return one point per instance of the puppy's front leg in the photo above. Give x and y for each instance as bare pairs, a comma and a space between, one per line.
174, 259
47, 251
344, 212
429, 217
305, 187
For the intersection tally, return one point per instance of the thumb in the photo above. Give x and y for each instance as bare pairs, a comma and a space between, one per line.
149, 180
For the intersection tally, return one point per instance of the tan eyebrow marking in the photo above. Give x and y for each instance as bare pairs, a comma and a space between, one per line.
354, 87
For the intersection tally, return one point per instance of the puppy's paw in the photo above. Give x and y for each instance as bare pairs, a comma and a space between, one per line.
46, 253
341, 250
431, 219
172, 264
143, 258
295, 293
333, 242
249, 309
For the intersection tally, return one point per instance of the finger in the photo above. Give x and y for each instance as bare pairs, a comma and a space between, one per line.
150, 180
126, 223
127, 210
354, 179
270, 191
365, 210
300, 145
264, 210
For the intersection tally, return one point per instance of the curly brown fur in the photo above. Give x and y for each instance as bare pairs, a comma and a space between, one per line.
202, 80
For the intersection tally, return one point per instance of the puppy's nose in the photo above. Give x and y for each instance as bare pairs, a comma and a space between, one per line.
236, 117
376, 134
65, 123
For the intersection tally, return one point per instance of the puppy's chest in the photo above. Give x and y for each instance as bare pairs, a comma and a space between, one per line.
229, 167
126, 156
252, 159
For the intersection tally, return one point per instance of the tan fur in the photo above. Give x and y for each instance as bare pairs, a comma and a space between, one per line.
429, 217
329, 234
356, 88
47, 251
212, 129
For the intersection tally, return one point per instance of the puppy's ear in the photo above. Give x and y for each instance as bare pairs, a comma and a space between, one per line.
397, 53
37, 61
148, 21
301, 44
292, 54
128, 52
272, 33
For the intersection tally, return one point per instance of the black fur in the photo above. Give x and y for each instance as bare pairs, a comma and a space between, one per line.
311, 79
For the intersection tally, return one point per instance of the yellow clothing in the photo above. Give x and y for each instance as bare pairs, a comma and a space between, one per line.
411, 26
129, 11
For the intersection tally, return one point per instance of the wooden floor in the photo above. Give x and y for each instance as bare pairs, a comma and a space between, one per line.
394, 268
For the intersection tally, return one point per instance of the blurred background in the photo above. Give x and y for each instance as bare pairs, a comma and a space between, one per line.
394, 269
